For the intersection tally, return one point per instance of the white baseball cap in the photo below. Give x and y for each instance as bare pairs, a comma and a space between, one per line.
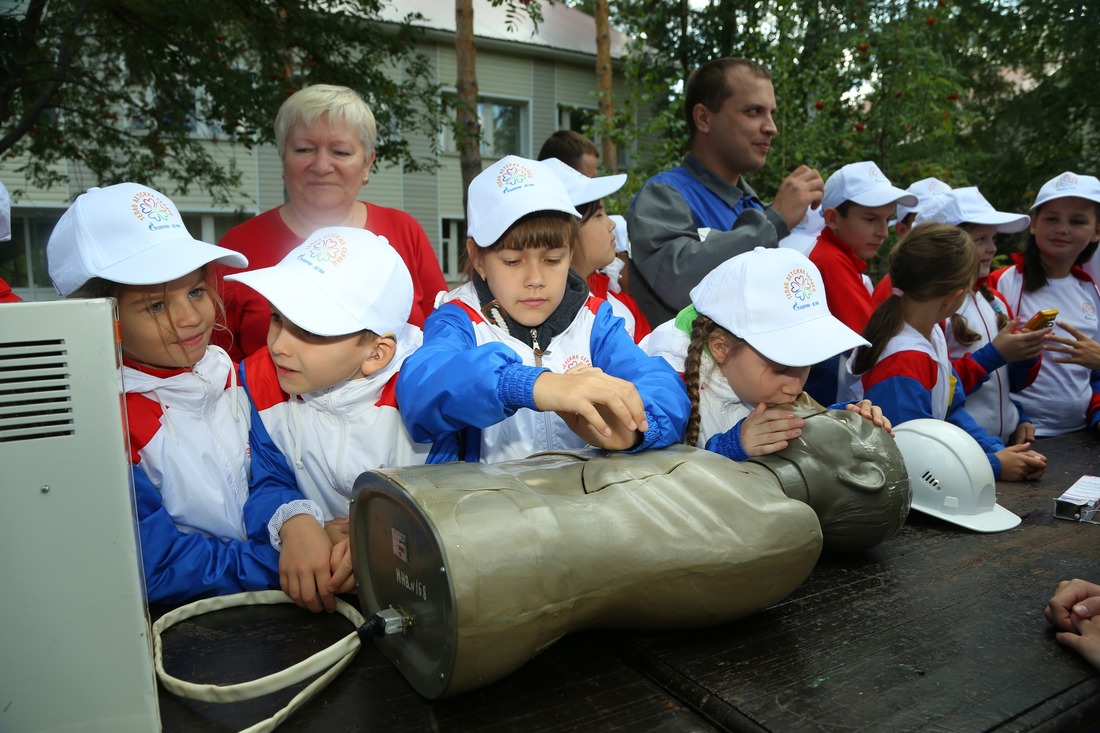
5, 214
1068, 184
864, 184
968, 206
129, 234
923, 189
341, 280
775, 300
509, 190
581, 188
804, 235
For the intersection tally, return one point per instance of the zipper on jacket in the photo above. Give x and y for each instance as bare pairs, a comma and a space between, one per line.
536, 348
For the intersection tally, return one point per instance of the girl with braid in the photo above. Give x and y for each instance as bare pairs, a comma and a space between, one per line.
745, 346
992, 355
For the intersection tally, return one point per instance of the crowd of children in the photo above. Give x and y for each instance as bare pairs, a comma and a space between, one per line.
244, 472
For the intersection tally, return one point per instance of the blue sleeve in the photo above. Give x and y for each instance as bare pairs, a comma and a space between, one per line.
180, 566
450, 383
273, 483
1023, 416
663, 393
957, 415
901, 398
1022, 373
728, 443
1092, 414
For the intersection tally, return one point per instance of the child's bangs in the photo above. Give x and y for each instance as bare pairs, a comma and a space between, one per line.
542, 229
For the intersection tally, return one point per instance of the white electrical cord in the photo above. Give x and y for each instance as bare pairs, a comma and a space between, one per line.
335, 658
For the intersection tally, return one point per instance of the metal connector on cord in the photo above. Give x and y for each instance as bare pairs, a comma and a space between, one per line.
385, 622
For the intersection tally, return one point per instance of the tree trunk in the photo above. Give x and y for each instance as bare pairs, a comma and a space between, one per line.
604, 81
467, 130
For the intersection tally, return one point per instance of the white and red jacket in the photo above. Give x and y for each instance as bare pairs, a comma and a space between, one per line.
1063, 397
326, 439
987, 380
188, 440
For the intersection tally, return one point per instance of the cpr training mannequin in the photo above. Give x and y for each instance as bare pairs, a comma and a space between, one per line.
491, 563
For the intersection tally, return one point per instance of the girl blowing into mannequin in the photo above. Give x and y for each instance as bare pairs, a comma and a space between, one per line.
745, 345
522, 359
1065, 229
906, 370
202, 533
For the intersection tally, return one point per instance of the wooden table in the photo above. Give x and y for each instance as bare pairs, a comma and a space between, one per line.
937, 629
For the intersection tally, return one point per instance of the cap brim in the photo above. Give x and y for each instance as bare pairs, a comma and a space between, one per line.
487, 236
997, 519
169, 260
807, 343
597, 188
1005, 223
301, 301
885, 195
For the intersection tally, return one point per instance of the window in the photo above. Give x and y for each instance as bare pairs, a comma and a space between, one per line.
503, 127
582, 120
453, 250
23, 259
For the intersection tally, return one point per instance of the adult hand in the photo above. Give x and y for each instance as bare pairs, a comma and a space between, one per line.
1078, 350
767, 430
1075, 597
1018, 463
304, 564
799, 191
1016, 345
606, 411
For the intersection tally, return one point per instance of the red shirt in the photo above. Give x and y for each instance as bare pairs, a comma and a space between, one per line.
598, 284
265, 239
6, 295
842, 273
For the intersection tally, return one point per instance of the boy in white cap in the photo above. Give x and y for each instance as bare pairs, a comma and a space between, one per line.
925, 189
1064, 231
323, 394
745, 345
991, 355
858, 203
524, 339
598, 243
202, 531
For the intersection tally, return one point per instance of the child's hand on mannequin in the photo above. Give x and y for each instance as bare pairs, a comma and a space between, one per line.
1016, 345
605, 411
343, 575
337, 529
1018, 463
767, 429
304, 564
871, 412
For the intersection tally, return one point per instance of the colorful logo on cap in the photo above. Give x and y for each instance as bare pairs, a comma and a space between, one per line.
876, 175
147, 206
799, 285
937, 187
512, 176
1065, 182
330, 249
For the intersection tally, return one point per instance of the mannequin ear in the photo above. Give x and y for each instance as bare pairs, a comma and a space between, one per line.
381, 354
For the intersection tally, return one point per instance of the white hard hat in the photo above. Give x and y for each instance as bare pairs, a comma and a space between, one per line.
950, 476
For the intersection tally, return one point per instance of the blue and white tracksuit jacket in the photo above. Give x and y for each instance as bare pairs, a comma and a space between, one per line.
470, 388
913, 378
202, 533
322, 441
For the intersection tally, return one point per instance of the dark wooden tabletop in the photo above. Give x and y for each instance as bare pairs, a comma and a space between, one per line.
937, 629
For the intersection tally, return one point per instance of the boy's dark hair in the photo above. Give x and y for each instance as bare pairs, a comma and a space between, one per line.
568, 147
709, 85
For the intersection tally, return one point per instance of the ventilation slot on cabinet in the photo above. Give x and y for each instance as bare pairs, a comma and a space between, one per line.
35, 391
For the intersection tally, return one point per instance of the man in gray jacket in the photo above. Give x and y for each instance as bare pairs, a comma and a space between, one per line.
686, 221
